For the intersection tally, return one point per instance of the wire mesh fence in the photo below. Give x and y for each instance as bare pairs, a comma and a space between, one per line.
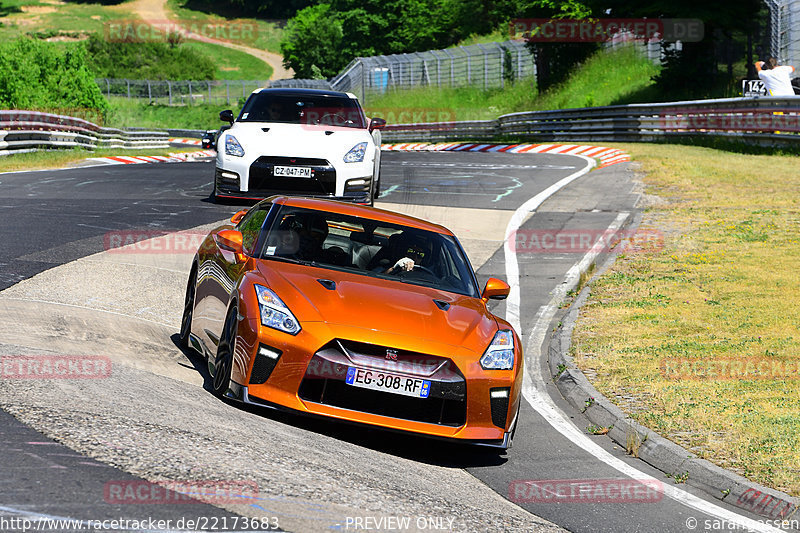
180, 92
490, 65
487, 66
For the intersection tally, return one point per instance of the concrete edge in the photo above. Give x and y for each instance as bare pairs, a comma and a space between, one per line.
652, 448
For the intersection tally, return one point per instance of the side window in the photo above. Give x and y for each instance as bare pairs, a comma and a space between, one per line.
250, 226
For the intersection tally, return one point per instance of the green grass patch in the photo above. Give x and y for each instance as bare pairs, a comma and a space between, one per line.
63, 158
604, 79
150, 60
23, 16
720, 292
268, 33
231, 64
124, 113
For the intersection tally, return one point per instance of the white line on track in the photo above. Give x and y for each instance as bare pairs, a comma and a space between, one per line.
533, 383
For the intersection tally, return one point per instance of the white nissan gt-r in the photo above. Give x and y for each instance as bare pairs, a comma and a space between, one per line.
303, 142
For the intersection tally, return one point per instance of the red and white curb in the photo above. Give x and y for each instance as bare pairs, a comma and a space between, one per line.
137, 159
195, 142
606, 156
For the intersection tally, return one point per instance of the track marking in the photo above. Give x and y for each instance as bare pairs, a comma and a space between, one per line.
533, 383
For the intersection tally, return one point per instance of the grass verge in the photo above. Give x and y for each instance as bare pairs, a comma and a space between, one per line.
700, 340
124, 113
232, 64
63, 158
606, 78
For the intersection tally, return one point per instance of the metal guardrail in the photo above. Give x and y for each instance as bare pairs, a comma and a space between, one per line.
767, 121
28, 131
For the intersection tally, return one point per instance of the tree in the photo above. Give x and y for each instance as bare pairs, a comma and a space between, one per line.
314, 38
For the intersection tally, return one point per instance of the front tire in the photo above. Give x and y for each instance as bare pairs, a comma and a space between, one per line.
223, 363
188, 310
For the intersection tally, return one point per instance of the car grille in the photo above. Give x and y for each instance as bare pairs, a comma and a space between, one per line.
324, 383
321, 182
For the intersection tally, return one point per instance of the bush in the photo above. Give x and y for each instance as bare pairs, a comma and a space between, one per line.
148, 60
38, 75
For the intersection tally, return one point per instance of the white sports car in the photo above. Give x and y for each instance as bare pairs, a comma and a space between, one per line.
302, 142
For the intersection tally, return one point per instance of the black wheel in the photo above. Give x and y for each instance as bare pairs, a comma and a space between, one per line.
213, 195
188, 310
223, 364
376, 189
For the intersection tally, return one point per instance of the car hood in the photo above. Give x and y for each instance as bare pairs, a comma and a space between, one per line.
298, 140
377, 304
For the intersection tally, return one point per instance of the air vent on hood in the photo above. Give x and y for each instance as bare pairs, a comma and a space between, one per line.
444, 306
265, 130
328, 132
328, 284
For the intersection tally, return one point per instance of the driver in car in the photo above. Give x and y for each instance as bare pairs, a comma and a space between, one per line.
413, 256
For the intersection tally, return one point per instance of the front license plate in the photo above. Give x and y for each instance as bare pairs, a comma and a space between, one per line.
371, 379
292, 172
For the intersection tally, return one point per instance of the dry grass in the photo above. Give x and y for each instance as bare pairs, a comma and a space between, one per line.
724, 287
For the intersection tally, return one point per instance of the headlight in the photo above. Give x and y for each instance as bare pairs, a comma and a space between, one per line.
356, 153
500, 354
274, 313
232, 146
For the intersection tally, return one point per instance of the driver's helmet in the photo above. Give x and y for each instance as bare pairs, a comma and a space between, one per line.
416, 247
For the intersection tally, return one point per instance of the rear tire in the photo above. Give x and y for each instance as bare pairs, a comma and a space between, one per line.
223, 363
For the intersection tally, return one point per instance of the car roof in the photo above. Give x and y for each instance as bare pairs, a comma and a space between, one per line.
293, 91
356, 210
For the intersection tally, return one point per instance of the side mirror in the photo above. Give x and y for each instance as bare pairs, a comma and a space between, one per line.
230, 240
376, 124
235, 219
495, 289
226, 116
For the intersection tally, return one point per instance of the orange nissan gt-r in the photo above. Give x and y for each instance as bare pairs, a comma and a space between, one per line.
354, 313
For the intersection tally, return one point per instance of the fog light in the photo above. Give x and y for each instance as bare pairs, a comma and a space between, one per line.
272, 354
499, 401
266, 359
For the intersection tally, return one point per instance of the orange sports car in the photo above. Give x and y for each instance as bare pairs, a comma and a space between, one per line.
354, 313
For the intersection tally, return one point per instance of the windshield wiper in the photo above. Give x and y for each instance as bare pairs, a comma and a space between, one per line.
289, 260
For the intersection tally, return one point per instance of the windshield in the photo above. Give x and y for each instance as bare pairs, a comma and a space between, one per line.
311, 109
368, 247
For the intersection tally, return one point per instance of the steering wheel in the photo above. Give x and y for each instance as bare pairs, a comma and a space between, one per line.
424, 269
338, 120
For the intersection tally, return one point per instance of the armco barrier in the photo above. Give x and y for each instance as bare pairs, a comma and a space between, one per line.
767, 121
28, 131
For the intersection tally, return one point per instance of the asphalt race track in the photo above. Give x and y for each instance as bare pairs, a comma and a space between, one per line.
153, 417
